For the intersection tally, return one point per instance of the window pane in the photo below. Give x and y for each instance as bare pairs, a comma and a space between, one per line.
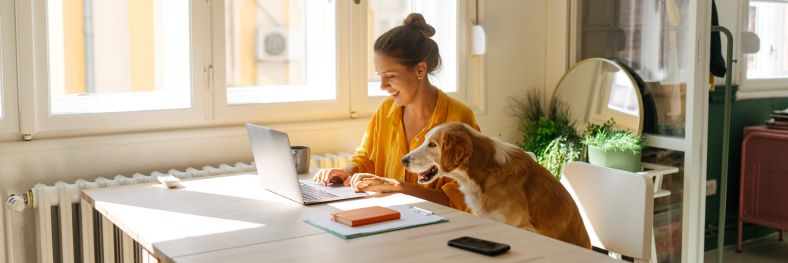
652, 38
1, 79
387, 14
118, 55
767, 20
280, 51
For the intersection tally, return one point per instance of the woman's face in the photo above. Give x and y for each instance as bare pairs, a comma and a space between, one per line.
401, 82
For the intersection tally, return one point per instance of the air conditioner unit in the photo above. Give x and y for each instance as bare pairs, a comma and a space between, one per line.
273, 44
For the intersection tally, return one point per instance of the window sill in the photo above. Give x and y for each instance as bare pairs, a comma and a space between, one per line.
141, 135
762, 94
763, 88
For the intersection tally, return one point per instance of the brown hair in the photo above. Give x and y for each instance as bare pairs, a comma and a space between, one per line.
410, 43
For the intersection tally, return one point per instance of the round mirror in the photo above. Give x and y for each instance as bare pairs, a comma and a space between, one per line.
596, 90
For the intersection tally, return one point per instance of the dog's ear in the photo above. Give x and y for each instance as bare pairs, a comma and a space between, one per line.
456, 149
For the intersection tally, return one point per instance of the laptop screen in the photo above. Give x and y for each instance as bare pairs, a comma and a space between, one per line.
274, 162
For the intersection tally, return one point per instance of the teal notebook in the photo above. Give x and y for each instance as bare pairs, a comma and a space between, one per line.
409, 217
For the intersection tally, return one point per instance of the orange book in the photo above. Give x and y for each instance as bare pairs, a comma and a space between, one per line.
365, 216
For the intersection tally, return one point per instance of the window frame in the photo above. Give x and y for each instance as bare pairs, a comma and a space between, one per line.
208, 102
36, 105
285, 111
755, 88
8, 73
469, 68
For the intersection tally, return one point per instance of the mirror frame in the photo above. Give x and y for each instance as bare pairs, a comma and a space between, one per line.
641, 115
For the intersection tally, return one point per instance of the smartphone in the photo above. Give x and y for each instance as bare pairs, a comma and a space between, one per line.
479, 246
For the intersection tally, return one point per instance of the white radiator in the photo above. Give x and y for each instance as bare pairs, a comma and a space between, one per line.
330, 160
70, 230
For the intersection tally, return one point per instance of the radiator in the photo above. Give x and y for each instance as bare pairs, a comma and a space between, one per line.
70, 230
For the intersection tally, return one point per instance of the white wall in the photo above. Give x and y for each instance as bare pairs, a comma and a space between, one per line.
516, 60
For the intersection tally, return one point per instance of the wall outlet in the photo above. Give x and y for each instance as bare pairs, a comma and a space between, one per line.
711, 187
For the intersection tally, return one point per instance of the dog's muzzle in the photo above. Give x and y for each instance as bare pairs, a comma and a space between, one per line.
426, 176
423, 177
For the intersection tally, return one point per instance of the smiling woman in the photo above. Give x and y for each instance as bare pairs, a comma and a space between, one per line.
404, 56
384, 15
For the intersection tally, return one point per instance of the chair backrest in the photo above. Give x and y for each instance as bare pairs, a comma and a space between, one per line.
616, 206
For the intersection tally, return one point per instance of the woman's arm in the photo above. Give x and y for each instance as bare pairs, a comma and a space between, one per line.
429, 194
374, 183
335, 176
360, 161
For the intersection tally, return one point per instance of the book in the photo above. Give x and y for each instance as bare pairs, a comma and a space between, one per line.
779, 116
365, 216
410, 216
779, 125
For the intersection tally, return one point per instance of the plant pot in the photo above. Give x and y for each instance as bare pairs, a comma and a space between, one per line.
622, 160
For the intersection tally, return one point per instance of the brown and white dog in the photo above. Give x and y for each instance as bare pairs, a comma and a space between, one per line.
499, 180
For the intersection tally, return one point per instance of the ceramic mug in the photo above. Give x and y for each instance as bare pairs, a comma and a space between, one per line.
300, 158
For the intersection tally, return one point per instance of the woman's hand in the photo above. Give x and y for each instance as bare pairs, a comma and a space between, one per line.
373, 183
332, 176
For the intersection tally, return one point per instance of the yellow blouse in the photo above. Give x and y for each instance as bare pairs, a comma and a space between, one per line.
384, 143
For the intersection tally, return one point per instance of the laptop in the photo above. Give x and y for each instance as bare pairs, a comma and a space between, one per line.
277, 172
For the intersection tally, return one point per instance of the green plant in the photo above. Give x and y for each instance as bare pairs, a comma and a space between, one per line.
550, 135
609, 138
671, 129
559, 152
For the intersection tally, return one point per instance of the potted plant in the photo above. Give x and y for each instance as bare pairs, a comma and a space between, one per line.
550, 135
612, 147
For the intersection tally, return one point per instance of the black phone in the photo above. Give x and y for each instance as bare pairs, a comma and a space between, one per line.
479, 246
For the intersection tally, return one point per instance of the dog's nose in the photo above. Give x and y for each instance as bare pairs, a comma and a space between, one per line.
405, 160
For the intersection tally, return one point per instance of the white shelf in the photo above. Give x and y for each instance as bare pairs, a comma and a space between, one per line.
657, 172
666, 142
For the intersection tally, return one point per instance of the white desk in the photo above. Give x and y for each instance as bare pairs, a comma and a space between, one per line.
233, 219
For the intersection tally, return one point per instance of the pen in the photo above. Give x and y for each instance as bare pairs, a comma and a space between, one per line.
421, 211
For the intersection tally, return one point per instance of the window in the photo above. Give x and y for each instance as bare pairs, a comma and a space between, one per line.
651, 38
768, 20
622, 97
280, 61
118, 55
386, 14
8, 94
278, 51
126, 65
2, 110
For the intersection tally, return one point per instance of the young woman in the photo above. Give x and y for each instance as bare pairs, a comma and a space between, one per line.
404, 56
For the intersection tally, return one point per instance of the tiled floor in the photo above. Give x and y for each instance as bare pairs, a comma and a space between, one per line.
764, 250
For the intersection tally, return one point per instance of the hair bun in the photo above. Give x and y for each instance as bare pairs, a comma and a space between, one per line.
416, 21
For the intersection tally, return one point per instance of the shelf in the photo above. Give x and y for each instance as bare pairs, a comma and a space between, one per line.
657, 172
666, 142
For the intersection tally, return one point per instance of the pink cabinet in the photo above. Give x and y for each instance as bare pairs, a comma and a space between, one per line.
763, 196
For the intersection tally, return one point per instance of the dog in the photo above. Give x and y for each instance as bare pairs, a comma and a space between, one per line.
499, 180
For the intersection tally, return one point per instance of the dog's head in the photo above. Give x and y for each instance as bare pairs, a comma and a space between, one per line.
446, 147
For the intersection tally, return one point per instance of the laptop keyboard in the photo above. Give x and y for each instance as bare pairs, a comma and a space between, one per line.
313, 194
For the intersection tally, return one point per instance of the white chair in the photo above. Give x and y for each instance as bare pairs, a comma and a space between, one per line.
616, 206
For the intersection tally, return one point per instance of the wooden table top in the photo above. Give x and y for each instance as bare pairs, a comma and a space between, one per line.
233, 219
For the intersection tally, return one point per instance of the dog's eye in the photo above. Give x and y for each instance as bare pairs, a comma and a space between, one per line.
431, 145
